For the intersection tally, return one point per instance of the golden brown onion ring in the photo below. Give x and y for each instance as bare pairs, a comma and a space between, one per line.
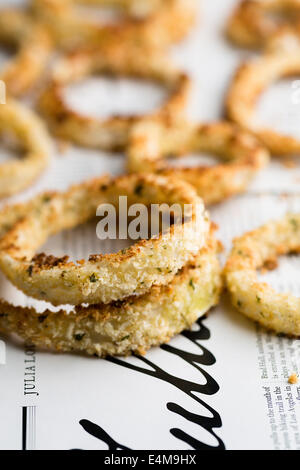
254, 22
132, 325
281, 59
111, 133
154, 24
256, 300
33, 46
29, 132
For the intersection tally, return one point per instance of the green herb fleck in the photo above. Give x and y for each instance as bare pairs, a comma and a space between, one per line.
125, 337
93, 278
191, 283
29, 270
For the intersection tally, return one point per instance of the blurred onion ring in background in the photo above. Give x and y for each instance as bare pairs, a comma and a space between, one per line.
132, 325
33, 46
21, 125
158, 24
153, 141
111, 133
281, 59
256, 300
103, 278
254, 22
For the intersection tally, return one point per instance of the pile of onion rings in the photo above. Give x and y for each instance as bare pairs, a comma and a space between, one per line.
258, 301
139, 297
28, 131
151, 141
33, 46
111, 133
154, 24
253, 22
281, 59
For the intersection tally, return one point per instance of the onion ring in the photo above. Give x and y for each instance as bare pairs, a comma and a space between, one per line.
104, 278
281, 59
258, 301
155, 24
252, 26
151, 142
29, 131
111, 133
22, 72
135, 8
132, 325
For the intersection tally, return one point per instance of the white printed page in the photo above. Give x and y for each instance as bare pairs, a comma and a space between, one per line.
224, 384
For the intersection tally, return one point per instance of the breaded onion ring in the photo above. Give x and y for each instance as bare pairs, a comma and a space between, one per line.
151, 142
135, 8
111, 133
29, 132
254, 22
281, 59
33, 45
155, 24
256, 300
104, 278
132, 325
